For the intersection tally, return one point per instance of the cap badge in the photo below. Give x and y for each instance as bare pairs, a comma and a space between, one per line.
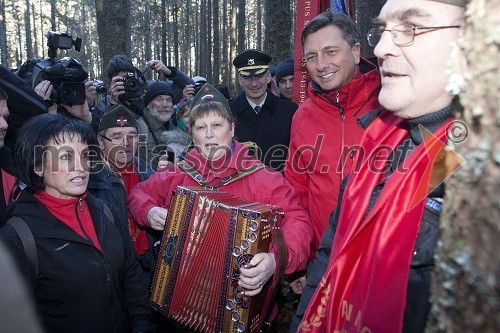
122, 121
251, 61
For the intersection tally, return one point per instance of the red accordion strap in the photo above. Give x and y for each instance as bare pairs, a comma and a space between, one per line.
193, 173
281, 263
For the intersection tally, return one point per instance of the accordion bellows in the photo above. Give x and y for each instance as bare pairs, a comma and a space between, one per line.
208, 236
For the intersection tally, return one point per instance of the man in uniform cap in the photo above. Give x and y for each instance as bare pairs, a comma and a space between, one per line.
118, 171
261, 117
375, 273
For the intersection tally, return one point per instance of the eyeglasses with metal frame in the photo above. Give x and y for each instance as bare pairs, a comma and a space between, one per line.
119, 139
401, 34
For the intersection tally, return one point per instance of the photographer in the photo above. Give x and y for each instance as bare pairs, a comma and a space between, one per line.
120, 68
82, 111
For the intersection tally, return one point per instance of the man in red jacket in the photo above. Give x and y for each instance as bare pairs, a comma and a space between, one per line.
324, 129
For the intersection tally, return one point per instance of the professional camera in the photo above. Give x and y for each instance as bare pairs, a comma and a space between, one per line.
134, 87
66, 75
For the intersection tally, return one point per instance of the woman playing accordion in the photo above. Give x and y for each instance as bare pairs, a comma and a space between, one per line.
216, 157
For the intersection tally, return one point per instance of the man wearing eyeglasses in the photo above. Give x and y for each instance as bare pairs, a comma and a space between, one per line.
374, 264
117, 172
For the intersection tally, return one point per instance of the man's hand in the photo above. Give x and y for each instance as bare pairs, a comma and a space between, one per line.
156, 218
117, 88
261, 268
90, 92
81, 111
298, 285
159, 67
44, 89
188, 91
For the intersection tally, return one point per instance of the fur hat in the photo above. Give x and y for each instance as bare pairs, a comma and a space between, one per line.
118, 116
157, 88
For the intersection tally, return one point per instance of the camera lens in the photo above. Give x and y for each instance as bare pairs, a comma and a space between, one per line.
101, 88
131, 83
69, 95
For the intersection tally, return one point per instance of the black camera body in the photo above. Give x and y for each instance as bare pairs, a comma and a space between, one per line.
100, 87
134, 87
66, 75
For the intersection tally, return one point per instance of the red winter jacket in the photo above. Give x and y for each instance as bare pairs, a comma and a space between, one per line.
264, 186
323, 128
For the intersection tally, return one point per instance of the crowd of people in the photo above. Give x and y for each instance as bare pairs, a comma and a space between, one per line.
86, 188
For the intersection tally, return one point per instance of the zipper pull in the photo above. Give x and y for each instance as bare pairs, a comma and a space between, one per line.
80, 205
338, 97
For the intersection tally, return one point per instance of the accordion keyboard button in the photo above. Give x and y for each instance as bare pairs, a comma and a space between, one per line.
244, 244
235, 316
230, 304
236, 251
241, 327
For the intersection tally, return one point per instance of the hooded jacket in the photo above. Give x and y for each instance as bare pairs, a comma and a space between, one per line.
323, 136
80, 288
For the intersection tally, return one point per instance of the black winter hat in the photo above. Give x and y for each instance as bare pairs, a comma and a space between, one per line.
157, 88
118, 116
284, 68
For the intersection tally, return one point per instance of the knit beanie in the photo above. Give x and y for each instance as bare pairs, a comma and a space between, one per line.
284, 68
157, 88
118, 116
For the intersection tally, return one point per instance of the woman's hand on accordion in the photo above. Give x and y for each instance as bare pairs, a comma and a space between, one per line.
156, 218
259, 271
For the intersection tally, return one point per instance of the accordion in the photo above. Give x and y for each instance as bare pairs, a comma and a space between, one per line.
208, 236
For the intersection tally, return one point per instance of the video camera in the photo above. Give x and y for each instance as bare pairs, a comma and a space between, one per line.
66, 75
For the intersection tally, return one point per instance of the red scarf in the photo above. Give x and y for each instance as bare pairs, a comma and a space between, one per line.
137, 233
364, 287
73, 212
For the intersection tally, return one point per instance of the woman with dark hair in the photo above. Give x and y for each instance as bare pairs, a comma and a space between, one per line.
88, 279
215, 156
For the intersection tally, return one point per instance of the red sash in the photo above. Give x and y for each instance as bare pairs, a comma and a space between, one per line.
364, 287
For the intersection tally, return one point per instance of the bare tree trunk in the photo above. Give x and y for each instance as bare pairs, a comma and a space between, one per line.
4, 51
466, 290
216, 49
53, 11
259, 24
240, 24
277, 35
175, 24
113, 28
35, 35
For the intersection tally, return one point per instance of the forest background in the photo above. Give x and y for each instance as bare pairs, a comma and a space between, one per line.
199, 37
202, 37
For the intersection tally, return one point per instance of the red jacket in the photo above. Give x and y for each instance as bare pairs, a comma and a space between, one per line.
323, 127
264, 186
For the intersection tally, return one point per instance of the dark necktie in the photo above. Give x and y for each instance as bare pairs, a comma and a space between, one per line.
257, 109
